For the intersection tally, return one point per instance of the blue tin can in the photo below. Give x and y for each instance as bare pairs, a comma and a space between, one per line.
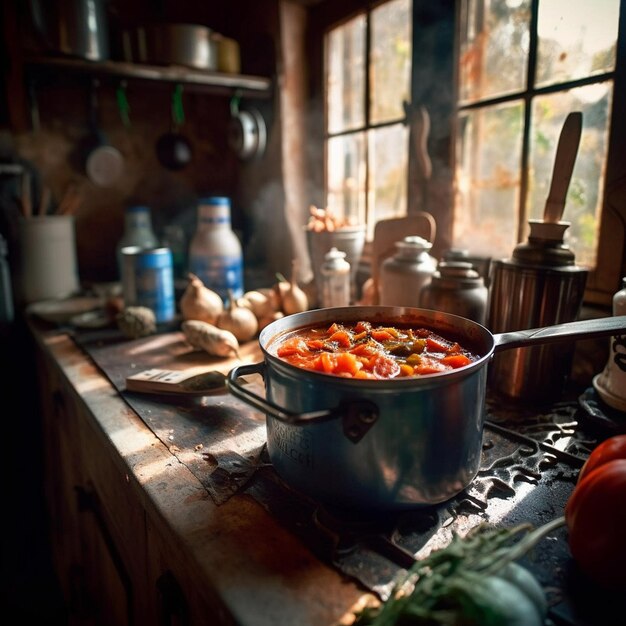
148, 280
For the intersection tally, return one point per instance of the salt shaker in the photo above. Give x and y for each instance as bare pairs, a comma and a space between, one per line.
335, 272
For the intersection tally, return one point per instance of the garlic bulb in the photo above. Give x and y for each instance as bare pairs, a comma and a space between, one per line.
239, 320
261, 304
199, 302
293, 297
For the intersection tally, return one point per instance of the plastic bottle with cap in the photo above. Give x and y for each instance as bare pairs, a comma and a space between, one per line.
215, 253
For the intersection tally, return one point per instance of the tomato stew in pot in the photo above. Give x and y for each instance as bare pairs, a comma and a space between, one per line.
363, 350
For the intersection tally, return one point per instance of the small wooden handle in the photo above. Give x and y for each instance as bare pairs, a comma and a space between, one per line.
566, 152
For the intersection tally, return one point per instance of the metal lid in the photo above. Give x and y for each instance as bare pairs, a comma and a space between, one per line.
457, 274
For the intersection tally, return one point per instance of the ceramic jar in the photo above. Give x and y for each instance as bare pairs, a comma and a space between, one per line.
403, 275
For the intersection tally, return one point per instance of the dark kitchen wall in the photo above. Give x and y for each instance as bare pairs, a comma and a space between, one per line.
45, 116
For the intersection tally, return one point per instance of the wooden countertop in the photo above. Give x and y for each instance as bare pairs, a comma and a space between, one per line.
258, 571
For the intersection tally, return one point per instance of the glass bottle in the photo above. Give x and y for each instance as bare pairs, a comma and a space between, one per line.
174, 239
215, 254
137, 231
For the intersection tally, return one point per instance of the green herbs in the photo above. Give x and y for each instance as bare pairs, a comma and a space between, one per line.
474, 581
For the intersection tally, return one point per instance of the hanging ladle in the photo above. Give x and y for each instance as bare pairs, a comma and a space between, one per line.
104, 163
173, 148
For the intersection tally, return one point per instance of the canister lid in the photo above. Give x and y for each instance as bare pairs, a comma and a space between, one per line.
457, 274
334, 254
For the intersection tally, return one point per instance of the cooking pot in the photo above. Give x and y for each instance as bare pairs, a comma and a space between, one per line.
384, 444
191, 45
73, 27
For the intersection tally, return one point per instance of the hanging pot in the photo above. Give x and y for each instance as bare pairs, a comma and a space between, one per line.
384, 444
173, 149
247, 133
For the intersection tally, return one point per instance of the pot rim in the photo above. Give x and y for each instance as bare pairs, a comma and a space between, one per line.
404, 315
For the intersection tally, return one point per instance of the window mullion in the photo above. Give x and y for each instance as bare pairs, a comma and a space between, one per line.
530, 84
366, 108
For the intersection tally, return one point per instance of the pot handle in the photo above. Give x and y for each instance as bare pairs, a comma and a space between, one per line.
357, 416
581, 329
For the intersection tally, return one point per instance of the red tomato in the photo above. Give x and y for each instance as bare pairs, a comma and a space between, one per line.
596, 518
610, 449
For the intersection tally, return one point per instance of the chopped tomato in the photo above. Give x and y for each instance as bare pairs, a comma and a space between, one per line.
428, 365
456, 360
382, 335
435, 346
366, 349
333, 328
315, 344
362, 327
342, 337
293, 345
346, 362
328, 362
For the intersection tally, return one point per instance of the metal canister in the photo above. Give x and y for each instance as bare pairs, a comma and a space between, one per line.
456, 287
148, 280
335, 273
541, 285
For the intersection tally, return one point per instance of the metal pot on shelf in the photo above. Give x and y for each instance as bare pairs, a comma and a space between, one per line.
73, 27
384, 444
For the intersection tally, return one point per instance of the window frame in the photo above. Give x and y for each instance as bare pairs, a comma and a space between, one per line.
436, 27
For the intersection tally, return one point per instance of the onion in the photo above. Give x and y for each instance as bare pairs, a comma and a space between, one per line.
199, 302
239, 320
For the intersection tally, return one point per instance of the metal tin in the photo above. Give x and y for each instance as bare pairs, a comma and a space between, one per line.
148, 280
456, 287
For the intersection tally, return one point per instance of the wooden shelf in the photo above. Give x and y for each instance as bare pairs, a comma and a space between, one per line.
252, 86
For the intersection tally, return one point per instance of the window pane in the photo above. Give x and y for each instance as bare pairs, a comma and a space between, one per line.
345, 78
494, 48
388, 149
583, 204
576, 39
488, 179
391, 60
346, 177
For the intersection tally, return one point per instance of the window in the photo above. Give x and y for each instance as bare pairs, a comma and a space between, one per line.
523, 66
368, 72
498, 78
